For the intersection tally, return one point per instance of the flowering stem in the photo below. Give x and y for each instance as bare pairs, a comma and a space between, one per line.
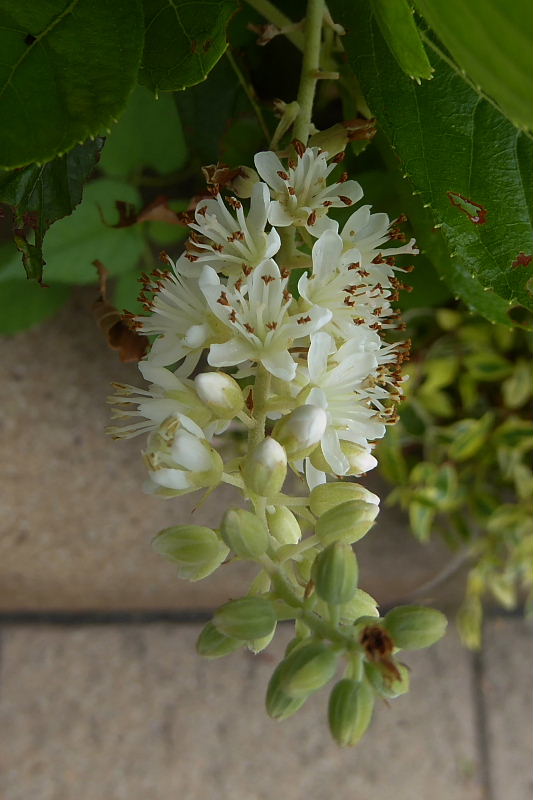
310, 67
261, 389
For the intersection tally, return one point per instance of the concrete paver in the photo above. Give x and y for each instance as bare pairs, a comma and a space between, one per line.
507, 690
132, 712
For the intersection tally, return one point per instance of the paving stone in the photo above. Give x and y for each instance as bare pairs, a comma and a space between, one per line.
75, 525
130, 712
507, 690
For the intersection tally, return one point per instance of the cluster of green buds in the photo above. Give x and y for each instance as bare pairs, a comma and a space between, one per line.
460, 457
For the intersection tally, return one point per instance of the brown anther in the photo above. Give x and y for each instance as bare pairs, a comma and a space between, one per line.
249, 402
311, 219
354, 265
202, 211
299, 147
284, 272
303, 320
343, 178
217, 247
378, 259
164, 257
271, 326
345, 200
233, 315
267, 279
348, 301
246, 269
238, 284
292, 163
291, 190
249, 327
233, 202
339, 157
327, 203
287, 296
190, 257
223, 299
283, 175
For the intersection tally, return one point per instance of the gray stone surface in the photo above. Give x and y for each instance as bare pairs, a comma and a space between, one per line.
75, 527
126, 713
507, 690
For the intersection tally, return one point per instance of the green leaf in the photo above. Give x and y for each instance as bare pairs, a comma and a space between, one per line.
25, 303
183, 41
468, 436
148, 134
493, 42
397, 25
468, 164
66, 71
48, 192
487, 366
73, 243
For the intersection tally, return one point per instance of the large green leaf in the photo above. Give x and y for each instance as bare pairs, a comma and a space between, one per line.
42, 194
148, 134
493, 42
398, 27
65, 72
73, 243
183, 41
470, 167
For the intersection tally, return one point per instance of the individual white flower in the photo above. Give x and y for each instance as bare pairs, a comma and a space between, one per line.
256, 311
180, 317
179, 459
340, 286
166, 396
365, 236
300, 194
336, 384
226, 242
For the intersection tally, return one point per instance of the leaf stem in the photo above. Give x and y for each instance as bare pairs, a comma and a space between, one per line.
250, 94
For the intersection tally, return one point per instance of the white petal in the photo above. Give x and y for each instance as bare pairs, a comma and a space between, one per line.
268, 165
196, 336
190, 452
350, 189
171, 479
333, 453
356, 222
230, 353
313, 476
322, 225
280, 364
317, 357
166, 349
278, 215
259, 206
159, 375
273, 243
326, 254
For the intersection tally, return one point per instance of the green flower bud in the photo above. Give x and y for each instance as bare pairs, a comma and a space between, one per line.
300, 431
347, 522
385, 682
196, 550
359, 458
258, 645
220, 392
351, 704
213, 644
244, 533
265, 468
415, 627
278, 703
284, 526
335, 573
308, 668
361, 604
329, 495
246, 618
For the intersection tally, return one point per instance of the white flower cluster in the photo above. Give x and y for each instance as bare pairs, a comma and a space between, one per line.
231, 299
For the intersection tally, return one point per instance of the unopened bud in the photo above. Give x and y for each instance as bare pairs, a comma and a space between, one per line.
335, 573
351, 704
415, 627
258, 645
308, 668
246, 618
213, 644
284, 526
244, 533
279, 704
220, 392
328, 495
333, 140
387, 682
265, 468
244, 181
300, 431
347, 522
196, 550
